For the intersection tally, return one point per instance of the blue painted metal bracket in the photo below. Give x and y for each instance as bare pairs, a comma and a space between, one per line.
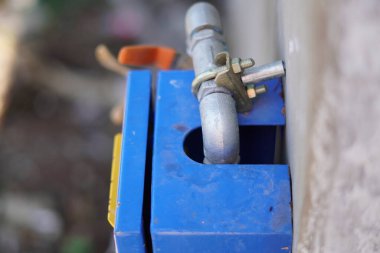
197, 207
215, 208
129, 231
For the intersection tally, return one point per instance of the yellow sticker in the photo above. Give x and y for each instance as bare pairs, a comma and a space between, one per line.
114, 185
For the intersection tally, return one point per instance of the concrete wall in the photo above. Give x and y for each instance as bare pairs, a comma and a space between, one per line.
332, 50
301, 36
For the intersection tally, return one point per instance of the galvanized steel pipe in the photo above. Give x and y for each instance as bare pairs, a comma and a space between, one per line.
220, 127
264, 72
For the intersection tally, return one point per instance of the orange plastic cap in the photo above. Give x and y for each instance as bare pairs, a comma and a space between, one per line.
161, 57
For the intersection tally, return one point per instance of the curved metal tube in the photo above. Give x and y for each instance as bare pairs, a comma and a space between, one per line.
220, 127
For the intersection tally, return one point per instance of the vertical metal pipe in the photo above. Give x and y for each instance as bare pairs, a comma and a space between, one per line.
220, 127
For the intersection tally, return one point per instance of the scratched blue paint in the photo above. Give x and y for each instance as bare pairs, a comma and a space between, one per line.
129, 232
214, 208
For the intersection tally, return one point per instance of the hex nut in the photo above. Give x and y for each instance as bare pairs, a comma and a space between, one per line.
235, 64
251, 92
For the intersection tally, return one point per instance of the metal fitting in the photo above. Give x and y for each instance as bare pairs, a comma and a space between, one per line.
204, 35
253, 91
220, 129
264, 72
220, 83
202, 16
239, 65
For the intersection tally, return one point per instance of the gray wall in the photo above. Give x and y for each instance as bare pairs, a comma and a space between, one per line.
332, 50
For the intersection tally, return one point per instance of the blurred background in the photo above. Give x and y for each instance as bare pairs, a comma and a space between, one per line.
56, 136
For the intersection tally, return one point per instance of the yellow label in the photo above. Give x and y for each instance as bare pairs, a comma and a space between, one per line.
114, 185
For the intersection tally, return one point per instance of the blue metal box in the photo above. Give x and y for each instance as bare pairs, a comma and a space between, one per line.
193, 207
216, 208
129, 225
